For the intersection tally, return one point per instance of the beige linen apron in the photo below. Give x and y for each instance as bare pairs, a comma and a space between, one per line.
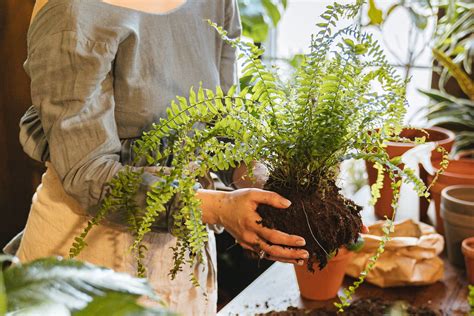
55, 220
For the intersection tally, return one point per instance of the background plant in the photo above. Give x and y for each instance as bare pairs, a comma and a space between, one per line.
52, 286
453, 49
259, 16
419, 12
344, 101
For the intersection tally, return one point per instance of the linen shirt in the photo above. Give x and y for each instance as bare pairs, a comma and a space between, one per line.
102, 74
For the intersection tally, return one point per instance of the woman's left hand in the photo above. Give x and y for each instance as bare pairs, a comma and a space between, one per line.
237, 212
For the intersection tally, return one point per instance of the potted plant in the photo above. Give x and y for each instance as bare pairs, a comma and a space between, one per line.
343, 101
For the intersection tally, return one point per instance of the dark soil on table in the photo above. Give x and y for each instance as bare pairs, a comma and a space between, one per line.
333, 220
361, 307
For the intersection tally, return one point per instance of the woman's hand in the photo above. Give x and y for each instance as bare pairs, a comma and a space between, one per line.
236, 211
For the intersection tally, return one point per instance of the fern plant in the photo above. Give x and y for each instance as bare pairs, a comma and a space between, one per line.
344, 101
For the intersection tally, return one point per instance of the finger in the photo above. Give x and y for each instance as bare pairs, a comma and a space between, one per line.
298, 262
280, 252
247, 246
277, 237
270, 198
365, 229
255, 249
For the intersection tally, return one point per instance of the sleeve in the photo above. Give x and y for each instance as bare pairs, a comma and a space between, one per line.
228, 66
72, 87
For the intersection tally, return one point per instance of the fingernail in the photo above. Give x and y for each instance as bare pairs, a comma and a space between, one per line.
300, 262
301, 242
287, 203
305, 255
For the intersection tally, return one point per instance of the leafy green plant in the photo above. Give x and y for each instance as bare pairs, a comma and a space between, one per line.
452, 47
419, 11
456, 114
53, 286
258, 16
453, 50
344, 101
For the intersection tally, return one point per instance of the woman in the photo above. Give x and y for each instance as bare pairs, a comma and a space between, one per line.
101, 73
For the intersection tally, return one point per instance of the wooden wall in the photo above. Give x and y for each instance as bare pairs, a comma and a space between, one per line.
19, 175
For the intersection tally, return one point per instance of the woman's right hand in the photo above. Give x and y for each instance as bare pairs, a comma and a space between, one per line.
237, 212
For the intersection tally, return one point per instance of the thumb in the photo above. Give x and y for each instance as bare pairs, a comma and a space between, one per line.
272, 199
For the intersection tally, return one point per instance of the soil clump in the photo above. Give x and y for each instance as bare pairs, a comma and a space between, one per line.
325, 219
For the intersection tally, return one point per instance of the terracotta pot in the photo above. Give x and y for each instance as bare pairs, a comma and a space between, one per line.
468, 252
465, 154
441, 136
458, 172
457, 212
323, 284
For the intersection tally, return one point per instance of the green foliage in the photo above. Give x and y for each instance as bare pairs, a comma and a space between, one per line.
258, 16
344, 101
374, 13
453, 42
453, 49
470, 299
52, 286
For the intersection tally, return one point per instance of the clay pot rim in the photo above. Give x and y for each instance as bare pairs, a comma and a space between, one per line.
463, 153
454, 174
468, 247
445, 194
450, 137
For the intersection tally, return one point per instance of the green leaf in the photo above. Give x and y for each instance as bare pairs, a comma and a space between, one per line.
273, 10
257, 16
361, 49
3, 295
375, 14
119, 304
54, 283
349, 42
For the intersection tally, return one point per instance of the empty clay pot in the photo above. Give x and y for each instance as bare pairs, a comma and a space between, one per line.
465, 154
468, 252
442, 137
457, 212
323, 284
458, 172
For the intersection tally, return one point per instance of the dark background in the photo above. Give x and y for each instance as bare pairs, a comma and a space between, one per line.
19, 175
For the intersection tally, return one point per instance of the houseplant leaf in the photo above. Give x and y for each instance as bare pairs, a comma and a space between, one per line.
58, 284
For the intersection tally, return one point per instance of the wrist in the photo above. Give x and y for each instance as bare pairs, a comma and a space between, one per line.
212, 205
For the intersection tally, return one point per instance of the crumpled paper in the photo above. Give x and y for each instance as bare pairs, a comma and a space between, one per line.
410, 257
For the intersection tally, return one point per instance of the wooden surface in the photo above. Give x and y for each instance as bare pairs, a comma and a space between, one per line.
276, 289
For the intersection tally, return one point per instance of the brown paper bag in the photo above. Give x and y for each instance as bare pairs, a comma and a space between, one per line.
410, 257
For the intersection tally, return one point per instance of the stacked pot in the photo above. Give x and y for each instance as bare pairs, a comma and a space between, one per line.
459, 172
457, 212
